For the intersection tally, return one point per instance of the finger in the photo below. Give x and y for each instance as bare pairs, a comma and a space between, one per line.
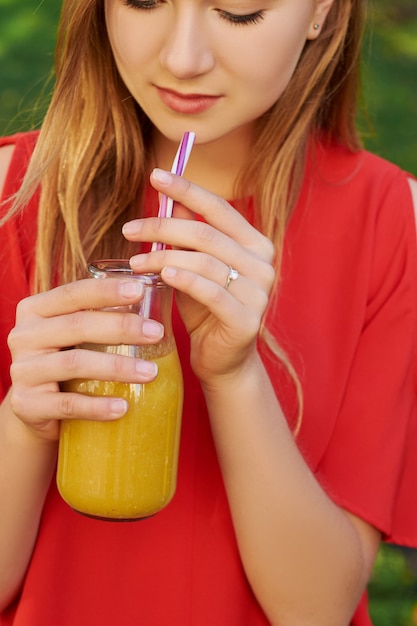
203, 238
250, 290
79, 295
46, 407
66, 365
214, 209
242, 321
101, 327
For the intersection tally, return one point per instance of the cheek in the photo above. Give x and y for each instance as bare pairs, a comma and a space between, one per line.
272, 61
123, 45
128, 39
273, 51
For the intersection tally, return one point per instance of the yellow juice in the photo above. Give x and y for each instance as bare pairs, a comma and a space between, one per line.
127, 468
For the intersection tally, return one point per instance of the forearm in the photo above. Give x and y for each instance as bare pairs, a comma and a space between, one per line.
302, 554
27, 465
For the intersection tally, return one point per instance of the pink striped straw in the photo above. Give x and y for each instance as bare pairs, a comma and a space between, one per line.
180, 162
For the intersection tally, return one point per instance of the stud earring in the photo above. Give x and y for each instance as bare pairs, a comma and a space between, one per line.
316, 26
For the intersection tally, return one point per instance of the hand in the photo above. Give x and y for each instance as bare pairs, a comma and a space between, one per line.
223, 323
49, 325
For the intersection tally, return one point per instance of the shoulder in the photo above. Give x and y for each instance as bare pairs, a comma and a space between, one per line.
337, 164
356, 211
6, 152
357, 184
15, 152
413, 188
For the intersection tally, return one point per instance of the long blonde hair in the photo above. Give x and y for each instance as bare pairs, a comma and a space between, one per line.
92, 154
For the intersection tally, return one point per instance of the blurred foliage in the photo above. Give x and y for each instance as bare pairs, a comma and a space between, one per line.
393, 588
390, 81
27, 39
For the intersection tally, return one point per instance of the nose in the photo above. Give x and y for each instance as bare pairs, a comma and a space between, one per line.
187, 52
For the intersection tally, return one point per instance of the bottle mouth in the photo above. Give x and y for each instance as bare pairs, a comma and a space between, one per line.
118, 268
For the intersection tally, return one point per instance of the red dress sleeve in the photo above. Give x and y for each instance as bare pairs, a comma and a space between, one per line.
17, 244
369, 465
347, 314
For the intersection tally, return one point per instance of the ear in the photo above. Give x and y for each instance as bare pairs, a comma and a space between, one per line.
319, 17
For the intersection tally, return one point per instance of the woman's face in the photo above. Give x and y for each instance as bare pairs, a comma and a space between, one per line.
211, 66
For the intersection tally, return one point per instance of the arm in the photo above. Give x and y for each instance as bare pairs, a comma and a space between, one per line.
27, 465
29, 415
26, 469
307, 560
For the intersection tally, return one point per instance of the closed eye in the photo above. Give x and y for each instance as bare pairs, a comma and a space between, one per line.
235, 18
142, 4
232, 18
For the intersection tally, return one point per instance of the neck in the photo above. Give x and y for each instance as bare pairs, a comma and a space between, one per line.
214, 166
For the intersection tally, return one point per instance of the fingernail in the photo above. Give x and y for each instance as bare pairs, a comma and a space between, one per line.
161, 176
130, 288
149, 368
137, 261
152, 329
169, 272
118, 407
130, 228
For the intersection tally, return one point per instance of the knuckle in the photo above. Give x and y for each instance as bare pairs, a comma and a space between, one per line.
77, 321
22, 337
208, 265
15, 371
23, 307
157, 224
117, 364
70, 362
186, 185
18, 400
268, 274
220, 204
68, 291
263, 301
13, 339
267, 249
219, 295
30, 306
252, 324
127, 326
164, 257
67, 404
204, 232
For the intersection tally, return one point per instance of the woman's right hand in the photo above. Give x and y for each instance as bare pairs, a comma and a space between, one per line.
49, 325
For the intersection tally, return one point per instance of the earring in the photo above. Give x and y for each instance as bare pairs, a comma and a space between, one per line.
316, 26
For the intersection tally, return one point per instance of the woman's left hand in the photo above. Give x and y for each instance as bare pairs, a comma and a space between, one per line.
222, 316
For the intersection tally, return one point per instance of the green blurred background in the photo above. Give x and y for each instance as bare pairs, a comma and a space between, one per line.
27, 35
389, 125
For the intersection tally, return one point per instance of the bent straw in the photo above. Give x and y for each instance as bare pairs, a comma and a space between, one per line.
166, 204
180, 162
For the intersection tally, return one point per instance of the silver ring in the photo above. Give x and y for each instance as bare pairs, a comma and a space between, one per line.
232, 275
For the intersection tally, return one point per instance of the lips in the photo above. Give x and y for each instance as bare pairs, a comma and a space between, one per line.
191, 104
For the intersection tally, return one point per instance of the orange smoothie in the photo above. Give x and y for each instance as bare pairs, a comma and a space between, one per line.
125, 469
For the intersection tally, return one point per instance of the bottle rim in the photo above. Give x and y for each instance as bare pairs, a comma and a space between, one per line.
120, 268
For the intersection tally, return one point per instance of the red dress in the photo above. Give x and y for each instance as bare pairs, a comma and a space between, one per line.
346, 314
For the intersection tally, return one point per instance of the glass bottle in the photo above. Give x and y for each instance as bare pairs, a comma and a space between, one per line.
127, 469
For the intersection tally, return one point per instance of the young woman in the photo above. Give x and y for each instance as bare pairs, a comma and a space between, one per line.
300, 411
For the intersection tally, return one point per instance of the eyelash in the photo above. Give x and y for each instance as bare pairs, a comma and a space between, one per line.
232, 18
145, 5
241, 20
